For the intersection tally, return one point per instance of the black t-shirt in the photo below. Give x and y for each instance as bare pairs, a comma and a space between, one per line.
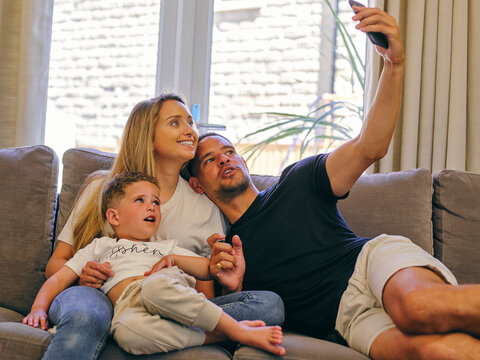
297, 244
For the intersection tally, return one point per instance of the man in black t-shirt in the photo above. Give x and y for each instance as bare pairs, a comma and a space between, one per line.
388, 298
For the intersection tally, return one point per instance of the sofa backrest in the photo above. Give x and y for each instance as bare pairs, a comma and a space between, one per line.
456, 216
397, 203
28, 191
78, 163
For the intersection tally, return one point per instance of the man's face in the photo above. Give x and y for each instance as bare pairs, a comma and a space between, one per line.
221, 173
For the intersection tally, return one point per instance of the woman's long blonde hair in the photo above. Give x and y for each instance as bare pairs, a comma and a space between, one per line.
136, 154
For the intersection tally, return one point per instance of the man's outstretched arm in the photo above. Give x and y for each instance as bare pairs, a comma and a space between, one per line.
346, 164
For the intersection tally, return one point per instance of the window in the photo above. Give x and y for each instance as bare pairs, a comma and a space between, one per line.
281, 56
103, 61
266, 56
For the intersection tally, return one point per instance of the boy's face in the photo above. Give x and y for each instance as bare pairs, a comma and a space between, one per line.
137, 215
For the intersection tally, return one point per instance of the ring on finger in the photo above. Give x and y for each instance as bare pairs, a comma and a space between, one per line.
219, 266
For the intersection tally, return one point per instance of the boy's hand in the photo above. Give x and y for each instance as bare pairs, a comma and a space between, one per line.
94, 274
35, 317
166, 261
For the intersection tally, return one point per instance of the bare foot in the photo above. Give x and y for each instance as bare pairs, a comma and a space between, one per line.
215, 336
254, 334
253, 323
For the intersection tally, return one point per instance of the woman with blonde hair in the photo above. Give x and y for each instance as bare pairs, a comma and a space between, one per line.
160, 137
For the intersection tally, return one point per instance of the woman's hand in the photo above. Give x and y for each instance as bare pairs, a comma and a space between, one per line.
94, 274
227, 264
36, 317
166, 261
376, 20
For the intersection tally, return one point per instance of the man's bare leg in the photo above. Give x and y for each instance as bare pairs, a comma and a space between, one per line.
392, 344
420, 302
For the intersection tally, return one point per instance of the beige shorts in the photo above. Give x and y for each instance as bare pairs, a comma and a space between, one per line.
361, 317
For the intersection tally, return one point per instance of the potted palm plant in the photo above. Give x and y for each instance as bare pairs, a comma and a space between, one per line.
324, 125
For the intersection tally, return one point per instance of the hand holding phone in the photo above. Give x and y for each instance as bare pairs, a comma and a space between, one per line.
377, 38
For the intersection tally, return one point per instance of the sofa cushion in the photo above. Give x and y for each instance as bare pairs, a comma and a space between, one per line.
456, 218
264, 181
22, 342
398, 203
378, 203
10, 315
300, 347
28, 183
77, 165
214, 352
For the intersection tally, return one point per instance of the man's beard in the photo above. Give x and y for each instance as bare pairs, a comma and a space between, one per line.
226, 194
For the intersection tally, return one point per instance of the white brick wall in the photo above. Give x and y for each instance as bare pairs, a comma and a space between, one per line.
103, 61
269, 59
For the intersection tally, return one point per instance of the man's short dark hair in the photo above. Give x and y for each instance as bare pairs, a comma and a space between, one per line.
114, 189
192, 166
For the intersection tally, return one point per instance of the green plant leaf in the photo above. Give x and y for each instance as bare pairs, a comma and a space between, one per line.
312, 127
354, 57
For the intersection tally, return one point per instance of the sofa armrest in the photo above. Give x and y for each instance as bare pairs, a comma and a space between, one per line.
28, 183
456, 218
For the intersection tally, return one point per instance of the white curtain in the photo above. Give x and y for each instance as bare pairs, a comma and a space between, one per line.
439, 125
25, 35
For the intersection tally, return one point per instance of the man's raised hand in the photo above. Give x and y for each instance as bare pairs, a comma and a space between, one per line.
376, 20
227, 264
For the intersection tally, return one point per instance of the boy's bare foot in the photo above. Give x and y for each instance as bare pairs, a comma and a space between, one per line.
216, 336
253, 323
256, 334
253, 333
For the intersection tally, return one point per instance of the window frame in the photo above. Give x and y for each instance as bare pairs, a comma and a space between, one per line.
184, 50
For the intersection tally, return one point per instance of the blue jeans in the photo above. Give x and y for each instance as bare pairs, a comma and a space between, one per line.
253, 305
82, 315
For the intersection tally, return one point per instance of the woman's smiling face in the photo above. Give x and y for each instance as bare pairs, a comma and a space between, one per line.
175, 135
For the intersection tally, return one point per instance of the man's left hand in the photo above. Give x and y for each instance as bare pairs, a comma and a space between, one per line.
227, 264
376, 20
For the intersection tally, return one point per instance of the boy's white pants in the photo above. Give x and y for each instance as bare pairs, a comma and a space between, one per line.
161, 313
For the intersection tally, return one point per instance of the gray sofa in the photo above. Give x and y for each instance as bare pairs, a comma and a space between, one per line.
440, 213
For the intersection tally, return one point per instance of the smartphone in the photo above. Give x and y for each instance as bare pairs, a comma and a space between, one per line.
377, 38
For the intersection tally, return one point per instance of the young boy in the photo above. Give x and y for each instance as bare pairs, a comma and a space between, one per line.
160, 312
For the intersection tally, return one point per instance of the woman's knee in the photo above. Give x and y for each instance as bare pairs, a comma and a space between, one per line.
83, 307
273, 305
